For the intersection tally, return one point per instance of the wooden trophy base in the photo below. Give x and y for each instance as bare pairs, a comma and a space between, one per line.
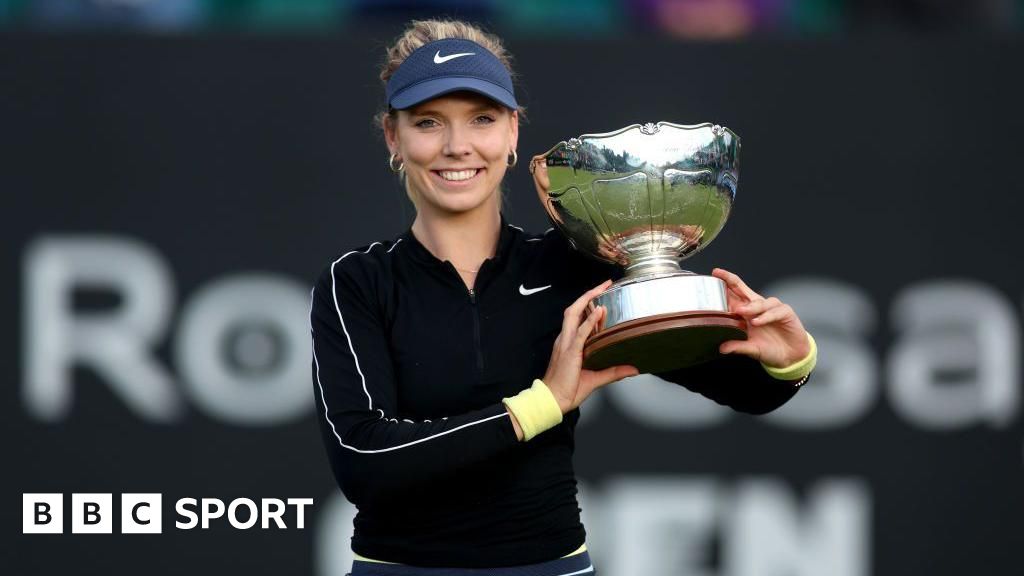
663, 342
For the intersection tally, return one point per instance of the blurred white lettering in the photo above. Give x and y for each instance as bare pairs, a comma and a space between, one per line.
661, 526
242, 346
767, 533
256, 389
674, 525
116, 343
333, 533
845, 386
967, 332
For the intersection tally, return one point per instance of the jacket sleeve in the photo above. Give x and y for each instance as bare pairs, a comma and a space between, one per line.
736, 381
374, 453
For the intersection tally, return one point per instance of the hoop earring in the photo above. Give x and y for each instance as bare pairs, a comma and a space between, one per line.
391, 163
513, 158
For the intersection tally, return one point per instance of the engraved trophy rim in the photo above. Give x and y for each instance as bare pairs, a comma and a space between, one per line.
634, 126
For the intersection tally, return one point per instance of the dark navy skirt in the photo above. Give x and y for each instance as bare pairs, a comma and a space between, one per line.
577, 565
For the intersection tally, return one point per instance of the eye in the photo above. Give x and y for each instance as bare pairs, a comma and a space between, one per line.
484, 119
426, 123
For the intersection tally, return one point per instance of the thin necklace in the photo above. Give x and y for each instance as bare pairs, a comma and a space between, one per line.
464, 270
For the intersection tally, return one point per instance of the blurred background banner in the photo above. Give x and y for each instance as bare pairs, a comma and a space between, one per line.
175, 174
702, 19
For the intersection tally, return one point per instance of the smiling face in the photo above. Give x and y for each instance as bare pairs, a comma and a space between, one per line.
455, 149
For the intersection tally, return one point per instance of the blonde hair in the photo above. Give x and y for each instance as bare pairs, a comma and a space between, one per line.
421, 32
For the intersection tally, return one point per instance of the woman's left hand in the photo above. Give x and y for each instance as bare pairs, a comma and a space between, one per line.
775, 336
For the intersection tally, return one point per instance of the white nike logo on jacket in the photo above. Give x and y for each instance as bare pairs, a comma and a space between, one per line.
527, 291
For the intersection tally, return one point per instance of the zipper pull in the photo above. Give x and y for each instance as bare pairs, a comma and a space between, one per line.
472, 296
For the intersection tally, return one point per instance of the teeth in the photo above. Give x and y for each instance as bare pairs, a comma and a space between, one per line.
459, 175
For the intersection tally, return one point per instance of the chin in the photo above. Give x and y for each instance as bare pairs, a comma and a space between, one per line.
461, 207
461, 203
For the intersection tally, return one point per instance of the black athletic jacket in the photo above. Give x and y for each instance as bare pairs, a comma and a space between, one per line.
409, 369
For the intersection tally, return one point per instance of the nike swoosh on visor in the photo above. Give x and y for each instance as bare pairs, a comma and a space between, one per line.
438, 59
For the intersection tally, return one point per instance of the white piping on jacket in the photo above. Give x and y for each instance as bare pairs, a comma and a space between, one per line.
323, 398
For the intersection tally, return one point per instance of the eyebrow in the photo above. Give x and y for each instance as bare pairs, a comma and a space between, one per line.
480, 108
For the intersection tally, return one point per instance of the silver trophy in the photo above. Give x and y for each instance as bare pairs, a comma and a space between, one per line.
647, 197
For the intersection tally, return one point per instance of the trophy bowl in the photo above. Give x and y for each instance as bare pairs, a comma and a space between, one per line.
646, 197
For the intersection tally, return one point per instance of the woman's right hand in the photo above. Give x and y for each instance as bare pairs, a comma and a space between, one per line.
568, 381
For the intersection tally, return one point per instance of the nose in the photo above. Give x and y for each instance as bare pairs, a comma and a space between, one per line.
456, 142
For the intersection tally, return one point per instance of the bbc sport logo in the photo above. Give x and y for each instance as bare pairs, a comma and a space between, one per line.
93, 513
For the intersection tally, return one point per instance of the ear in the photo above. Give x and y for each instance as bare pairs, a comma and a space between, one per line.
390, 133
514, 130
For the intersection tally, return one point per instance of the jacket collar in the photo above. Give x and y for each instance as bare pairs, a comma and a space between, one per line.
506, 238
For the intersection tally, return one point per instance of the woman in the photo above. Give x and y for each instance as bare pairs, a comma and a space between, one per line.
447, 361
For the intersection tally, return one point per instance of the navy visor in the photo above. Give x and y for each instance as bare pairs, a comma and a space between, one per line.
449, 65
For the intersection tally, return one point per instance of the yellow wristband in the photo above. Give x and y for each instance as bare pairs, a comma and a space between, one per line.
535, 408
798, 369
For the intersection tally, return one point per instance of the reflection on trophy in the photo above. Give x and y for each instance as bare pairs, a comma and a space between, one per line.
646, 197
